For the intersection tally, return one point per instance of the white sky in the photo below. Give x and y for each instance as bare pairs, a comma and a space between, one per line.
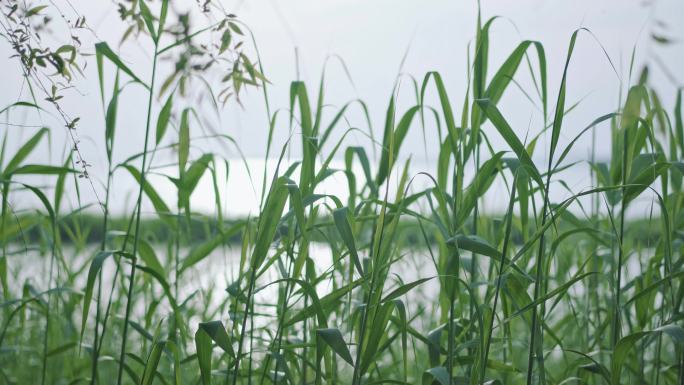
372, 37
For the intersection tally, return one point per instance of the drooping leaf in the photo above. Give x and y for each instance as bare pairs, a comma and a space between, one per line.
102, 50
333, 338
163, 119
217, 332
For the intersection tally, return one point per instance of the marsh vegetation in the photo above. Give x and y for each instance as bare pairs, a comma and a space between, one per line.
403, 279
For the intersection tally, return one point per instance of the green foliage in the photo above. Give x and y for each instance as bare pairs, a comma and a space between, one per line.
395, 283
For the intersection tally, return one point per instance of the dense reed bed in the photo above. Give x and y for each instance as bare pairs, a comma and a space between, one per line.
396, 282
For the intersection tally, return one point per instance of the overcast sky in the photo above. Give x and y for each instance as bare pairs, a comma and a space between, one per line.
372, 36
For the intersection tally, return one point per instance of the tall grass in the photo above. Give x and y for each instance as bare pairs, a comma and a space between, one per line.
422, 286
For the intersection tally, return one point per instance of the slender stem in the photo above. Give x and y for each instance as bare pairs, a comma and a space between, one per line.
281, 322
3, 260
48, 309
251, 344
305, 338
356, 376
122, 356
362, 333
537, 282
450, 343
250, 290
502, 266
473, 256
592, 294
618, 284
110, 300
96, 350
